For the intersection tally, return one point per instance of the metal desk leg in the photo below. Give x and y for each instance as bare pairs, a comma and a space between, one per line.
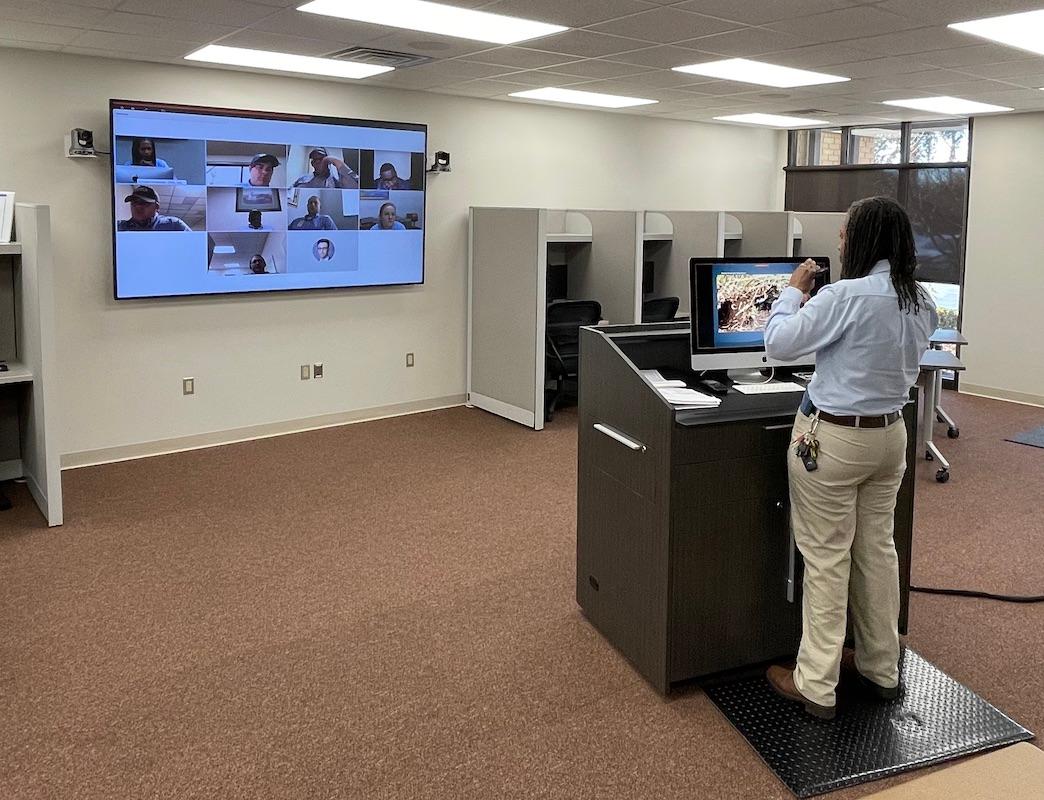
951, 427
931, 451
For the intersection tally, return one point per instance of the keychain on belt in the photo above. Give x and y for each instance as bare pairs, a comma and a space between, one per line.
808, 446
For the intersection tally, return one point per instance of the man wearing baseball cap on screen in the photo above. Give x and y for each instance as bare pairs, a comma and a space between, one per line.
261, 168
328, 172
144, 205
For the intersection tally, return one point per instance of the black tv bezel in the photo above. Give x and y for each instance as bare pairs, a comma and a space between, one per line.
150, 105
694, 316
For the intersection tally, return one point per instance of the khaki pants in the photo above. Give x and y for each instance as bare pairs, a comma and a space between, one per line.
842, 516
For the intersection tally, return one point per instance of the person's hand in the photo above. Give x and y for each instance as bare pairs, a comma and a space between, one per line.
804, 276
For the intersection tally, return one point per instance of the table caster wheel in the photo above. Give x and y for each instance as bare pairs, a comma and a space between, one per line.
938, 418
928, 456
953, 433
942, 475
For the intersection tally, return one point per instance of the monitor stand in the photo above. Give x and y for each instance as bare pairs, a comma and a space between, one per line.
747, 376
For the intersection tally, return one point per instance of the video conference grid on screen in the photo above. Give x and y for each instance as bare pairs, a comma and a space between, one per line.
213, 201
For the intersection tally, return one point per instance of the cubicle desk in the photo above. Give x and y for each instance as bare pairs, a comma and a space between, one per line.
684, 558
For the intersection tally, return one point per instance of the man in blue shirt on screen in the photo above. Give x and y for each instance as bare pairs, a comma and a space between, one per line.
313, 220
144, 207
328, 172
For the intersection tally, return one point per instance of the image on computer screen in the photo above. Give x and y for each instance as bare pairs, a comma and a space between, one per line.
732, 299
219, 201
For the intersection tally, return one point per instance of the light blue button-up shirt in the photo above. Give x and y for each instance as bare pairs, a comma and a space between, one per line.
867, 349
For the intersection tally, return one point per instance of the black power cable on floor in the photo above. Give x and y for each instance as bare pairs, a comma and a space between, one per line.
1004, 598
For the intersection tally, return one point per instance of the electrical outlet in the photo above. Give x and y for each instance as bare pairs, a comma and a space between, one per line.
306, 371
317, 370
409, 359
188, 385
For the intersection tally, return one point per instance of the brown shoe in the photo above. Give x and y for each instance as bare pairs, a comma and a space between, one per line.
781, 680
848, 667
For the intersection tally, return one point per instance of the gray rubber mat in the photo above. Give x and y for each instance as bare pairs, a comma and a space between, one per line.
934, 719
1034, 438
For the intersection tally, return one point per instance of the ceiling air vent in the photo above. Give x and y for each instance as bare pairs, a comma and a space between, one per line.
379, 58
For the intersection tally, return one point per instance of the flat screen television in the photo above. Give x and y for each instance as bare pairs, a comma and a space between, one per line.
730, 301
224, 201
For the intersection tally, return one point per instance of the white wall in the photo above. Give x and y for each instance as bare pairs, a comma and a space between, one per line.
121, 364
1004, 269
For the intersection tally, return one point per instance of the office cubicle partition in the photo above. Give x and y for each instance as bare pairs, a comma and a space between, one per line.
818, 234
519, 259
670, 239
762, 233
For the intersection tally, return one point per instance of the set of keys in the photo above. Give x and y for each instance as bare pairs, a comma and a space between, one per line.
808, 447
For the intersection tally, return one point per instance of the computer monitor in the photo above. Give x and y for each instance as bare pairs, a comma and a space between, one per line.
125, 173
730, 301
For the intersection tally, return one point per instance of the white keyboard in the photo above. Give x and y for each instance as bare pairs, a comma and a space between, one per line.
768, 388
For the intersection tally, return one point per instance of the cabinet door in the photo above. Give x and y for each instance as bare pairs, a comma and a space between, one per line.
731, 560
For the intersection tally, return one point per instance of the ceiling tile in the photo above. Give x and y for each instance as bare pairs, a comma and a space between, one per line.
281, 43
45, 12
484, 88
665, 26
846, 24
113, 43
540, 77
819, 55
520, 57
943, 12
666, 79
233, 13
292, 22
764, 12
141, 25
596, 68
573, 13
664, 56
45, 48
746, 43
34, 32
585, 43
106, 4
918, 40
1008, 71
960, 57
879, 66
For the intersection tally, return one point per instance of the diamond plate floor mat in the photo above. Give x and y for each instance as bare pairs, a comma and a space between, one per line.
934, 719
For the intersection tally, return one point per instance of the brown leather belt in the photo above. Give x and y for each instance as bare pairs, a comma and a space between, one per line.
880, 421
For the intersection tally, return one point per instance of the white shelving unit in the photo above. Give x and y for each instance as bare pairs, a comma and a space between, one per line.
28, 430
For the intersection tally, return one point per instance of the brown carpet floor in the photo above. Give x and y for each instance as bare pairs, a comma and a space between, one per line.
386, 610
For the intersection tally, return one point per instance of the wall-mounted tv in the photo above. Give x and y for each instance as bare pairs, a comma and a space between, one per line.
221, 201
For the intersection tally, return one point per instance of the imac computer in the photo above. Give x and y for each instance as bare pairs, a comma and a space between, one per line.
730, 301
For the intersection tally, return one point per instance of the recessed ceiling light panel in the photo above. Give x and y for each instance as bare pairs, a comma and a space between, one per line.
1024, 31
284, 62
574, 97
947, 105
746, 71
773, 120
421, 15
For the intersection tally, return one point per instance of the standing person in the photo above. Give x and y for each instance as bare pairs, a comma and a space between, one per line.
868, 333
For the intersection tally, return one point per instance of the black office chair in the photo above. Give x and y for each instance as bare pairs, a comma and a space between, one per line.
564, 320
659, 309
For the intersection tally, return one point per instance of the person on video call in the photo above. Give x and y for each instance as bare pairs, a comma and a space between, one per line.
261, 168
144, 208
868, 333
313, 220
328, 172
389, 178
386, 219
323, 250
258, 265
143, 154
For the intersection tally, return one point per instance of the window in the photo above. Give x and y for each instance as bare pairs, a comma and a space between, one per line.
817, 148
879, 145
935, 143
